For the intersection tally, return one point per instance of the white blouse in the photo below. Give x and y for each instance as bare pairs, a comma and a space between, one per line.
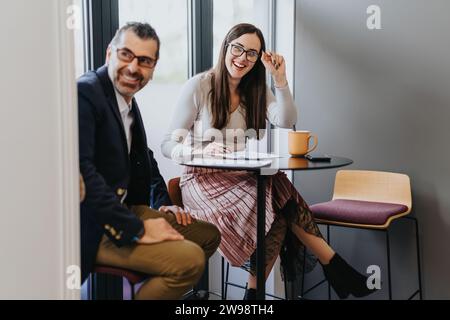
191, 128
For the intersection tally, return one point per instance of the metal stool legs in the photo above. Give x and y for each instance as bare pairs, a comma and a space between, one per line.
222, 278
93, 295
419, 269
389, 270
329, 243
226, 283
388, 251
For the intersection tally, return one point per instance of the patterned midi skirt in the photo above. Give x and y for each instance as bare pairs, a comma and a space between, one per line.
227, 199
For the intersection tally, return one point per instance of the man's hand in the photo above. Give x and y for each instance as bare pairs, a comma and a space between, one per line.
158, 230
82, 189
183, 217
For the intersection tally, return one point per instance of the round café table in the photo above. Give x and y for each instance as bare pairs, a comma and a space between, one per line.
262, 173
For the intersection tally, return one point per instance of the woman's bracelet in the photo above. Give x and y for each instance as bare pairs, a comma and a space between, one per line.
281, 87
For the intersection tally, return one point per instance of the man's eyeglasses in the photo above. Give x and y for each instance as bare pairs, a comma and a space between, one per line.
250, 55
126, 55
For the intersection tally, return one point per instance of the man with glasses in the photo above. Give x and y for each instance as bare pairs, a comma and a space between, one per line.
118, 227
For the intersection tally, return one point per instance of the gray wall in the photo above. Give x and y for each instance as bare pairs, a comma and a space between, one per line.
382, 98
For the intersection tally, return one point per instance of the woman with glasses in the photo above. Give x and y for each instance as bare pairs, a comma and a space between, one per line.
223, 104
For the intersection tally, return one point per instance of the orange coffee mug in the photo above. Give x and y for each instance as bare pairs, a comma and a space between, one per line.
299, 143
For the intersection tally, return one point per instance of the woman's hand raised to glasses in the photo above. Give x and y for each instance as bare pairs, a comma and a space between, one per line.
275, 64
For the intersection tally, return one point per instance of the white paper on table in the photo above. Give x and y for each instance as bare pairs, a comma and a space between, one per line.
229, 163
250, 155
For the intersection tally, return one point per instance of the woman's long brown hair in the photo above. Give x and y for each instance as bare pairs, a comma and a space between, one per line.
252, 88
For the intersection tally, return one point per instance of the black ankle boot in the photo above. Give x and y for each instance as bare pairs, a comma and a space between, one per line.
344, 279
250, 294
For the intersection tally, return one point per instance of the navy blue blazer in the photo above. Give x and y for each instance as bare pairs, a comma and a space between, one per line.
111, 174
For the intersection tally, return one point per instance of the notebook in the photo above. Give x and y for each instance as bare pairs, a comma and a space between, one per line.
228, 163
250, 155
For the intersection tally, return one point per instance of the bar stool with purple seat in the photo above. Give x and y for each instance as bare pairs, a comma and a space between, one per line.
368, 200
133, 277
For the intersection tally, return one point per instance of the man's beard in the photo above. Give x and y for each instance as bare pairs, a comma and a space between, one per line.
128, 89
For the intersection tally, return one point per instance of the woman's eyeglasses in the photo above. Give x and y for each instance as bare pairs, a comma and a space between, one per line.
126, 55
250, 55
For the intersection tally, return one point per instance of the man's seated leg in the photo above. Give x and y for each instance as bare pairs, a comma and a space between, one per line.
205, 234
